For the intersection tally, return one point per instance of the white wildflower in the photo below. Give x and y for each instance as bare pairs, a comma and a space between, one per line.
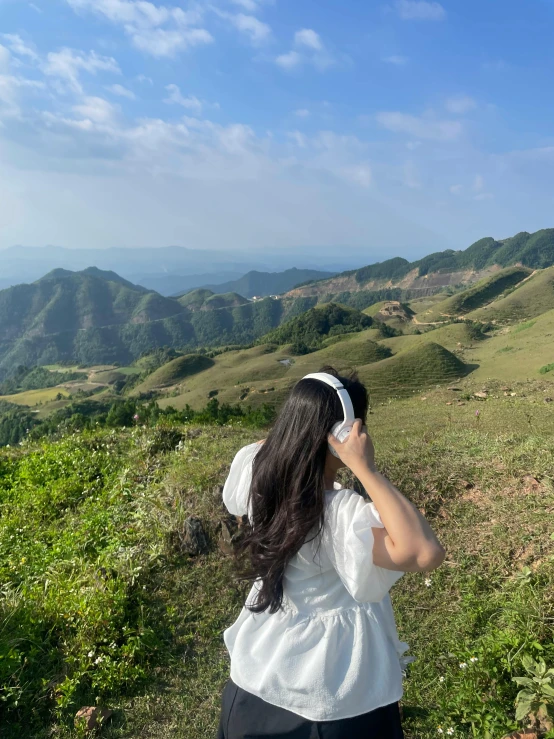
91, 653
441, 679
440, 731
428, 582
463, 665
474, 659
98, 660
450, 731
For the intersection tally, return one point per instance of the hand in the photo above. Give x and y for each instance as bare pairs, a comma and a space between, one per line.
357, 452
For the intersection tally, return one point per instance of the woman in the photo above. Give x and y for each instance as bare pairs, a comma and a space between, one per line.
315, 651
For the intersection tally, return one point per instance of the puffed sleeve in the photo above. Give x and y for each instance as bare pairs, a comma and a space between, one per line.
348, 540
237, 485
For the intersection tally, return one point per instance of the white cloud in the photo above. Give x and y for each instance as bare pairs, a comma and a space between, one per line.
97, 110
302, 113
257, 32
177, 98
136, 13
299, 138
289, 61
460, 104
396, 59
159, 43
250, 5
420, 127
142, 78
484, 196
19, 47
419, 10
308, 38
122, 92
478, 183
11, 86
67, 65
308, 49
155, 29
456, 189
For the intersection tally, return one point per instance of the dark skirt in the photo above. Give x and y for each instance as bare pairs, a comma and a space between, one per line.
245, 716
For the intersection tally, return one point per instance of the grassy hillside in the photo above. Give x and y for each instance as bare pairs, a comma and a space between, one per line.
477, 296
353, 353
534, 297
108, 607
174, 372
407, 372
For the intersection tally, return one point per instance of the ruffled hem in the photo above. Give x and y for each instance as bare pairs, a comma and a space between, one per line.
308, 717
343, 662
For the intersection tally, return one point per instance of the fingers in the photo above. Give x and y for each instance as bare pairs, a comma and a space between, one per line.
357, 429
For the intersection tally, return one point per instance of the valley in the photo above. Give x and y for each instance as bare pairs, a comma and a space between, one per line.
113, 340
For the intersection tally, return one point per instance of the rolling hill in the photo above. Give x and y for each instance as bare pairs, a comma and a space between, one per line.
441, 269
529, 300
476, 297
174, 372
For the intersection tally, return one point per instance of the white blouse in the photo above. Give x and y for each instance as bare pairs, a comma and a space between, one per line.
333, 651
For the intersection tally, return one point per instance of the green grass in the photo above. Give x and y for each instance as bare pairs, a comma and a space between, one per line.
476, 296
523, 326
94, 567
36, 397
533, 297
175, 371
413, 370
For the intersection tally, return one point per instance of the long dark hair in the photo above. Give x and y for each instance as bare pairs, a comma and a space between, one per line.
287, 491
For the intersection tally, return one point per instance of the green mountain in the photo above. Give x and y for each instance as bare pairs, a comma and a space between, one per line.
308, 330
96, 317
262, 284
204, 299
535, 251
71, 301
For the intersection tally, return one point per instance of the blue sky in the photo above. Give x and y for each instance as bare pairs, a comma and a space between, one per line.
392, 127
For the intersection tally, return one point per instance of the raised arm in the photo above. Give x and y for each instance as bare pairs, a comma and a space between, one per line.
407, 542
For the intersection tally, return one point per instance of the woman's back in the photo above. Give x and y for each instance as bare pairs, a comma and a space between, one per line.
336, 624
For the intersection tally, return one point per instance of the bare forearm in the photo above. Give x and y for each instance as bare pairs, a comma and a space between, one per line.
411, 544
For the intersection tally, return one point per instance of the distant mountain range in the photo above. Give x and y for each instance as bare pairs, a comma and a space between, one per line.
170, 269
175, 285
96, 316
260, 284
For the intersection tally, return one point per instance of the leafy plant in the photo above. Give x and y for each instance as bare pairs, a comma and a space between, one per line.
535, 701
